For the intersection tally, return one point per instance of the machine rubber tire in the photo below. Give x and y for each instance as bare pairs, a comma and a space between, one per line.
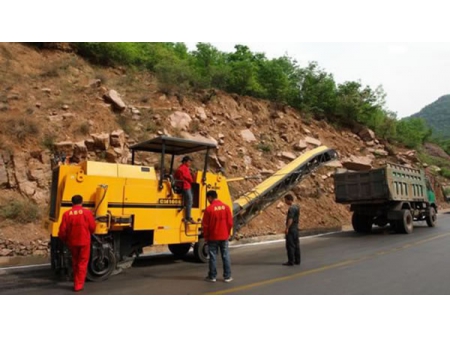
362, 223
201, 251
431, 218
405, 225
180, 250
95, 275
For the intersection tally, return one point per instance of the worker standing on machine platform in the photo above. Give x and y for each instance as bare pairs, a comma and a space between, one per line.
75, 231
184, 180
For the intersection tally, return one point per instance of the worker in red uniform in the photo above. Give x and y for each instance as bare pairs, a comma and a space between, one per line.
217, 223
184, 181
75, 231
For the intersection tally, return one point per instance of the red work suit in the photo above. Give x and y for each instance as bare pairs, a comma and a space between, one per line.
184, 174
217, 222
75, 230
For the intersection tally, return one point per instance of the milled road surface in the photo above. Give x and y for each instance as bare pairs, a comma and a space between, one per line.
341, 263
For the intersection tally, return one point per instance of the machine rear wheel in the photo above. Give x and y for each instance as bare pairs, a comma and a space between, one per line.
180, 250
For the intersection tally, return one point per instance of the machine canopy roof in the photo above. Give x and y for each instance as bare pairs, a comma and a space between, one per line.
173, 145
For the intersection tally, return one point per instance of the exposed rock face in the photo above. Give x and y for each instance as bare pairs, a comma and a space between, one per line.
4, 183
15, 248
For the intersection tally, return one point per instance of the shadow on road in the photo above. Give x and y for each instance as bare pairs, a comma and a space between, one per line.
163, 259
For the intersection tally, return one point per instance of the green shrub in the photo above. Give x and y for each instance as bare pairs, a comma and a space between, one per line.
445, 172
21, 128
20, 211
49, 142
266, 148
84, 128
125, 124
447, 191
151, 127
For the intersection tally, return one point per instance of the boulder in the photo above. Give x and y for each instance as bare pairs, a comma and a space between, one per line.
248, 136
180, 120
80, 151
313, 141
366, 134
288, 155
380, 152
334, 164
65, 147
358, 163
101, 141
301, 145
117, 138
113, 97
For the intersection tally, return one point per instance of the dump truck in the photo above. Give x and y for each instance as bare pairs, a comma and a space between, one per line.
395, 195
137, 206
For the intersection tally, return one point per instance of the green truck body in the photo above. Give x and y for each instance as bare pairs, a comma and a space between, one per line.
395, 195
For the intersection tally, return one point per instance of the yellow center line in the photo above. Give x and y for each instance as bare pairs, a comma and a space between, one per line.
281, 279
325, 268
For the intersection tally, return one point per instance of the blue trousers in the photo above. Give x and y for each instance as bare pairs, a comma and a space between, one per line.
213, 248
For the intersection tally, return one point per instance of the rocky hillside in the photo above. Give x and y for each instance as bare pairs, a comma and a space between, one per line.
54, 102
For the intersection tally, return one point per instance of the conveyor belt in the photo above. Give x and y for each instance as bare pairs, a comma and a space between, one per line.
272, 189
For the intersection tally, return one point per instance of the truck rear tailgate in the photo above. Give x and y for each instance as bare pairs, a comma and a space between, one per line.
353, 187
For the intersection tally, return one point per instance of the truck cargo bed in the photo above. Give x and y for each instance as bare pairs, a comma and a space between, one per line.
391, 183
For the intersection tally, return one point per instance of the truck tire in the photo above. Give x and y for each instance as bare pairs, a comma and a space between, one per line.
362, 223
405, 224
431, 217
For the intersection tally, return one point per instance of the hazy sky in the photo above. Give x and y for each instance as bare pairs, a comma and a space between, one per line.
413, 74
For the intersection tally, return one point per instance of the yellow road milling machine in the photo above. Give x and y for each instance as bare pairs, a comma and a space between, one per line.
136, 207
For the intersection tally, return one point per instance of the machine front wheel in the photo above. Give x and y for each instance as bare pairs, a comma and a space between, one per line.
201, 251
102, 263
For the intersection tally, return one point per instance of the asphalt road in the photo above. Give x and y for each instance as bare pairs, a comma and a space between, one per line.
382, 263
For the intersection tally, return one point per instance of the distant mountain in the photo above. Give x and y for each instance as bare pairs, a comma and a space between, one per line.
437, 116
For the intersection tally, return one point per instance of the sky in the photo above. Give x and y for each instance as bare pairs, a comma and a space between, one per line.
412, 74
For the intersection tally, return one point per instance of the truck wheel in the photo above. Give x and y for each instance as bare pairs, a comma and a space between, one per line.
362, 223
431, 217
180, 250
405, 225
201, 251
